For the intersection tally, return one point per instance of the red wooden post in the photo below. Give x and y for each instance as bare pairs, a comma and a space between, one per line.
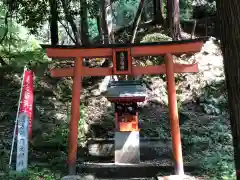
173, 113
75, 117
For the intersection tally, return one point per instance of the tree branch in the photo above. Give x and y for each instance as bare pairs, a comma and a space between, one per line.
137, 20
69, 18
67, 31
194, 27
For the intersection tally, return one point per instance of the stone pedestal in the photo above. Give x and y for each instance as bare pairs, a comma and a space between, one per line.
127, 149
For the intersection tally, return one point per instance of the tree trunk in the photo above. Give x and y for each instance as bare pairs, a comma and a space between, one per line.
173, 19
144, 16
106, 38
53, 22
107, 33
137, 20
229, 20
69, 18
158, 12
100, 29
107, 25
6, 27
84, 23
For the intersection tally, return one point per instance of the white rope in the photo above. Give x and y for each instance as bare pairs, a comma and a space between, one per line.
16, 120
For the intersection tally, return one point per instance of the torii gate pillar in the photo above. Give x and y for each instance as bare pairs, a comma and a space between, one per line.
173, 113
75, 117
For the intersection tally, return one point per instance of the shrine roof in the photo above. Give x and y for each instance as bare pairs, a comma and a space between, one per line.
125, 89
124, 45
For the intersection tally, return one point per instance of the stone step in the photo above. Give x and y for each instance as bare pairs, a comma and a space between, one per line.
146, 169
103, 149
171, 177
104, 140
92, 177
149, 148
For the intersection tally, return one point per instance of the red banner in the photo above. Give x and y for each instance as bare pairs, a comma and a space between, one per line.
26, 104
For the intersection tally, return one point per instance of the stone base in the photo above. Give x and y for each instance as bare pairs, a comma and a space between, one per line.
76, 177
127, 149
175, 177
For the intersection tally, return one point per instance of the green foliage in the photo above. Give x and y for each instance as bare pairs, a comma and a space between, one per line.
197, 8
33, 173
30, 13
214, 98
59, 135
155, 37
148, 9
219, 166
215, 137
186, 9
19, 48
13, 175
93, 29
124, 12
210, 143
204, 8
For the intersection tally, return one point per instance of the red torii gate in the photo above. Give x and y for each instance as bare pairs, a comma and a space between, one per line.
132, 50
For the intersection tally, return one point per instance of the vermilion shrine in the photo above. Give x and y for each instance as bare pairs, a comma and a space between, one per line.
125, 94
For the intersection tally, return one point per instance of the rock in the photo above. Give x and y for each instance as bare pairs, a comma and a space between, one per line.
104, 84
155, 100
210, 47
60, 116
96, 92
86, 128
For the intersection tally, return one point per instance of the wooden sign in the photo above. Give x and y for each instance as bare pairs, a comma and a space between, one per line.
22, 142
122, 61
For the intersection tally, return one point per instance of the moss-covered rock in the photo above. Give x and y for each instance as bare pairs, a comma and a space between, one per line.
156, 37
